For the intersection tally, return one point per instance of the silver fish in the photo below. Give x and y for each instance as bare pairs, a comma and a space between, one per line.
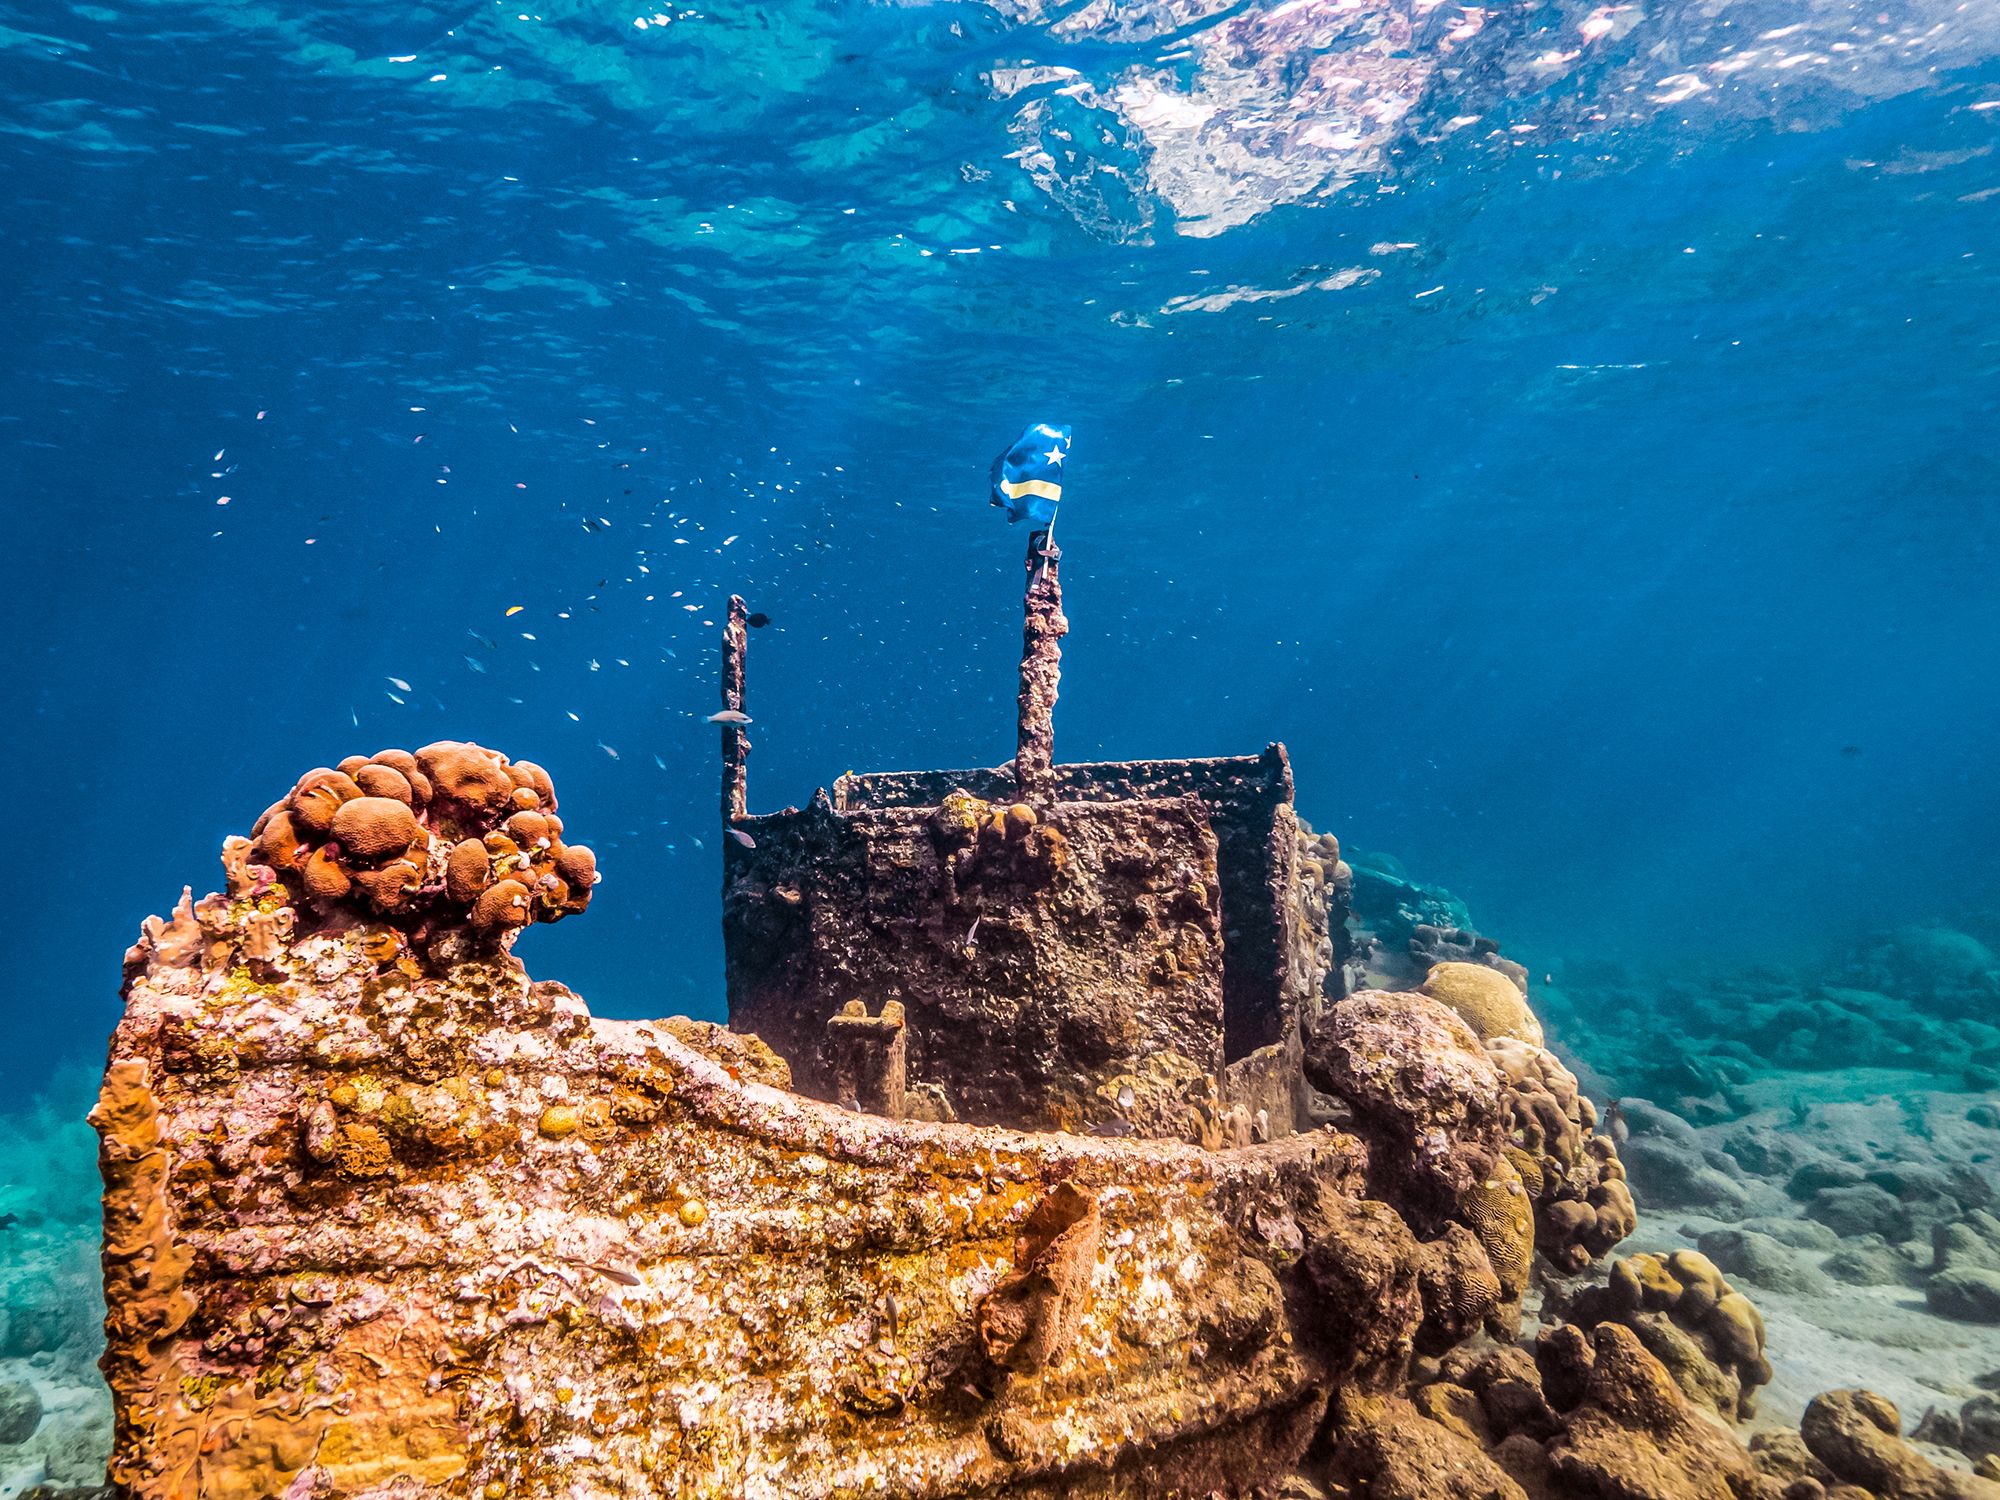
743, 838
731, 716
609, 1272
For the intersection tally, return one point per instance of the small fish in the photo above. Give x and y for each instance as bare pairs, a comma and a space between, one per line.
607, 749
1615, 1124
1112, 1128
757, 621
487, 642
743, 838
394, 699
399, 685
731, 716
618, 1274
513, 610
475, 663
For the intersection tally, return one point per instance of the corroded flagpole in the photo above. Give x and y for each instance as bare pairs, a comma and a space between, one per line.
735, 743
1043, 627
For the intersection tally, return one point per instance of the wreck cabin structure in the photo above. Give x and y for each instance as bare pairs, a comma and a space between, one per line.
1032, 945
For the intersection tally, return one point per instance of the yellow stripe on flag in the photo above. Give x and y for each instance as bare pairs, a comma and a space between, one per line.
1041, 489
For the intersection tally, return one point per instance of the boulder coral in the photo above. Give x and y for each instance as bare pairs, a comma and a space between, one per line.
1424, 1093
422, 841
1572, 1174
1704, 1331
1490, 1002
1632, 1434
1857, 1435
1491, 1135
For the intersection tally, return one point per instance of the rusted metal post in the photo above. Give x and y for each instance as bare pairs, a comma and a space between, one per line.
867, 1058
735, 743
1043, 627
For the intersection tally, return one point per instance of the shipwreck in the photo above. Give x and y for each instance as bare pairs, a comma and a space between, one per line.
1049, 1150
1045, 939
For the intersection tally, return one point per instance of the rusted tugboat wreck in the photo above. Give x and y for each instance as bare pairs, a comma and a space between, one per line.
1043, 1154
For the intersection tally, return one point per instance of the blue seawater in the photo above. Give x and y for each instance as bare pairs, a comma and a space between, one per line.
1574, 430
1584, 462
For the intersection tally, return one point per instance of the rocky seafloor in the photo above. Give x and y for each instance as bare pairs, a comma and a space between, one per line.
55, 1413
1821, 1137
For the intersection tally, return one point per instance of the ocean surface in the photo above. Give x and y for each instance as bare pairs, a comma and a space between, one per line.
1575, 432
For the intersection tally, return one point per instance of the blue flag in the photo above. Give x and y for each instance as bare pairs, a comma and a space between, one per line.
1027, 478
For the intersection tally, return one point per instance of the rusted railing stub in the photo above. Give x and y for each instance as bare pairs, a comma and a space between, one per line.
867, 1058
735, 743
1043, 627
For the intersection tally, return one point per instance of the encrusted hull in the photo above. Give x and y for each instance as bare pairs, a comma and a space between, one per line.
372, 1230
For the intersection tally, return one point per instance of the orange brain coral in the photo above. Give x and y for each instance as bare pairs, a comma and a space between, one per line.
384, 781
467, 870
374, 828
502, 904
476, 779
319, 796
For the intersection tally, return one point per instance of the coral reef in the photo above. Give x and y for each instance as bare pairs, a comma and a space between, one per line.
1692, 1037
1570, 1171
